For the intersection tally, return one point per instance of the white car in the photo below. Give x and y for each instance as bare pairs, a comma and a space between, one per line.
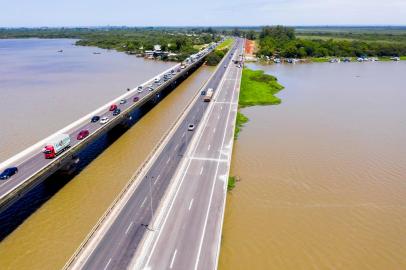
104, 120
191, 127
139, 90
123, 101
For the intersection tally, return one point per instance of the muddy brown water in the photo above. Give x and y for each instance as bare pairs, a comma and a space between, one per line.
323, 175
48, 237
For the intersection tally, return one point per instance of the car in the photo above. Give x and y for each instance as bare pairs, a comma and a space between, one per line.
178, 70
203, 93
104, 120
123, 101
140, 90
116, 112
157, 80
7, 173
150, 88
225, 66
83, 134
139, 87
173, 71
135, 99
113, 107
191, 127
95, 119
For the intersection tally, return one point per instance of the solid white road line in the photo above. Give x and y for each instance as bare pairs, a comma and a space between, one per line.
176, 147
192, 150
143, 202
208, 148
183, 135
209, 159
201, 170
173, 259
156, 179
128, 229
107, 265
213, 185
168, 160
190, 204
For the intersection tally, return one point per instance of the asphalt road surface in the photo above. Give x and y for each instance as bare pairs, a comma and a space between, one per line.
116, 248
190, 234
32, 163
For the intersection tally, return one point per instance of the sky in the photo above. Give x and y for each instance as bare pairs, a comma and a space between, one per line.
33, 13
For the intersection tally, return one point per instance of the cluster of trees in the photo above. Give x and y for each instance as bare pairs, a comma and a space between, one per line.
132, 40
282, 41
215, 57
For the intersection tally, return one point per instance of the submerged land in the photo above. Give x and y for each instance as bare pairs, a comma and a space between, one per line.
257, 88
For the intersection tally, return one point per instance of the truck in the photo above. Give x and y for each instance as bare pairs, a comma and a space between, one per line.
209, 95
56, 145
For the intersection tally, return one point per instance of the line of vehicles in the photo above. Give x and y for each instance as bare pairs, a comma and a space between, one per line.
61, 142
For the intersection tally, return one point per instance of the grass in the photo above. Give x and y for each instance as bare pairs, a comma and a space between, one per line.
231, 183
258, 88
319, 59
239, 123
225, 45
403, 58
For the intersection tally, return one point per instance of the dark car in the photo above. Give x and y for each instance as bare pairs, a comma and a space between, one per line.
135, 99
203, 93
113, 107
7, 173
95, 119
83, 134
116, 112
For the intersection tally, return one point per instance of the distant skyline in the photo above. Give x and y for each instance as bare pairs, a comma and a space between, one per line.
28, 13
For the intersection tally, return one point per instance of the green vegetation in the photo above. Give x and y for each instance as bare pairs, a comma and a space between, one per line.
239, 123
280, 41
215, 57
226, 45
180, 42
257, 88
231, 183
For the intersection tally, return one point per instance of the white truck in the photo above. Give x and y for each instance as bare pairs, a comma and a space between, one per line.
56, 145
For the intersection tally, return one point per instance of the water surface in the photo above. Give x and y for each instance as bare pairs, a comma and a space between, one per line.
49, 236
323, 174
42, 90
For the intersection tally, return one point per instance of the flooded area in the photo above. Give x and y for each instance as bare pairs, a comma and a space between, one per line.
323, 174
48, 237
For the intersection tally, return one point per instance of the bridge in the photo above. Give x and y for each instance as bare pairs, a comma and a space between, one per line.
170, 216
33, 168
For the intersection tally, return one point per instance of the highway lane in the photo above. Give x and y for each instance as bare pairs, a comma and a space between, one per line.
190, 235
115, 249
34, 162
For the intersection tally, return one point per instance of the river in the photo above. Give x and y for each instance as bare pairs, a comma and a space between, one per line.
52, 89
323, 174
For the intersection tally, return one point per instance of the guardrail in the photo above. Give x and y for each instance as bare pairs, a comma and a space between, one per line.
23, 156
131, 181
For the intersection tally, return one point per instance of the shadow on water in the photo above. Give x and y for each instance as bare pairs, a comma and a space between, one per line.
25, 206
